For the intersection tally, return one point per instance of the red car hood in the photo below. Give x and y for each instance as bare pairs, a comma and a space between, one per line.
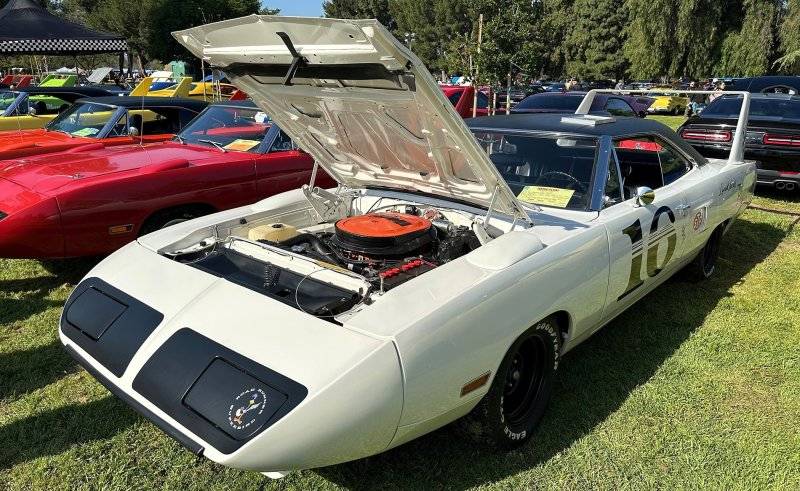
46, 173
14, 140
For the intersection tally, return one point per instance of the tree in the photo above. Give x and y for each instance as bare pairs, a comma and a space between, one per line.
650, 37
750, 49
513, 39
435, 28
359, 9
168, 16
594, 44
790, 38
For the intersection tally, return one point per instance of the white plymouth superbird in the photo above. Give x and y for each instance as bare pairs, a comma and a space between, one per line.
444, 277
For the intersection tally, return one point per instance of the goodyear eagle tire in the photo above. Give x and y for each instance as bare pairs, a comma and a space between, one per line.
506, 417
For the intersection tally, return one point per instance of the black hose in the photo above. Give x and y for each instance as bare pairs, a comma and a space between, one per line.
312, 239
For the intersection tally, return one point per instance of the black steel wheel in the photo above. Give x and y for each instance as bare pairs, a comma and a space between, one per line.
520, 390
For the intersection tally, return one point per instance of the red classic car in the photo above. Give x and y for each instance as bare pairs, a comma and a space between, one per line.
104, 120
91, 201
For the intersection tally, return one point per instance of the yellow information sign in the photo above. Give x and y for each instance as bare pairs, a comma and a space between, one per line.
546, 196
241, 145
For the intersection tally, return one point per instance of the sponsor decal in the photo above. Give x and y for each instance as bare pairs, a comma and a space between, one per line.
246, 407
699, 219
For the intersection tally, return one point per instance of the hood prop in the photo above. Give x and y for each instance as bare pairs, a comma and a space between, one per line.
297, 59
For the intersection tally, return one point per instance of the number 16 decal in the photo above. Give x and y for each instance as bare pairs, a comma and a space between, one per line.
638, 250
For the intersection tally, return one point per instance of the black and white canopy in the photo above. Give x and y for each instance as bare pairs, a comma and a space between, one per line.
28, 28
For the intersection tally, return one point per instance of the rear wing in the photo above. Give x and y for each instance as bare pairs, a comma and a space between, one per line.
737, 146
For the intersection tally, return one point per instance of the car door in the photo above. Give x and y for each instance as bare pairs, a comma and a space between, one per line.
645, 240
282, 166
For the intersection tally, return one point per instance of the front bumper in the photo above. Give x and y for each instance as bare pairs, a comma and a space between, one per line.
189, 360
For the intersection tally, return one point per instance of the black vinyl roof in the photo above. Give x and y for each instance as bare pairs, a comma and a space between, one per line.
27, 27
551, 123
66, 91
134, 102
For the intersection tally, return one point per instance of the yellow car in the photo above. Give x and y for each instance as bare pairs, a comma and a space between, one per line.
33, 107
204, 91
671, 103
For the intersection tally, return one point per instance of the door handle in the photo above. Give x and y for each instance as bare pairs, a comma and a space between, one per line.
683, 209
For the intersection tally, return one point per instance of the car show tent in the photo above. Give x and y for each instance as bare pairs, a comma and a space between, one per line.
26, 27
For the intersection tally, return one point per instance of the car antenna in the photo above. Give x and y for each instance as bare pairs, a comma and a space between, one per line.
297, 60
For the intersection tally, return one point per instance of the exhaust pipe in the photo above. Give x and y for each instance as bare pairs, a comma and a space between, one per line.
780, 185
786, 185
790, 186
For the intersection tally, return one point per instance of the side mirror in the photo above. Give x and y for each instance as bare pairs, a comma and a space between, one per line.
32, 111
645, 195
133, 131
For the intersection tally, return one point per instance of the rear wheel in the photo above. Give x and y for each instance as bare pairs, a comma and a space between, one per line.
521, 389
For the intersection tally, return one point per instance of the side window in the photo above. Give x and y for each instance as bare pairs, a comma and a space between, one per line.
483, 101
648, 161
282, 143
618, 107
455, 97
673, 164
120, 128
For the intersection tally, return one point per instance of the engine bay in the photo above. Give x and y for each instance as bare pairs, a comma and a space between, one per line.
329, 267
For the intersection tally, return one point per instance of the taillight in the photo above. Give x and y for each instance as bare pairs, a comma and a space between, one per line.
720, 136
782, 140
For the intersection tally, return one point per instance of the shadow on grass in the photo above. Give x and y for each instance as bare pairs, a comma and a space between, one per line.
27, 370
52, 432
32, 293
595, 379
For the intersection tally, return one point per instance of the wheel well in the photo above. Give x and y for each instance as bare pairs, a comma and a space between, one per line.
195, 209
562, 319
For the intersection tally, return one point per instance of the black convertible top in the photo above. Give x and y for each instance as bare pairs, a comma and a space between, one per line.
551, 123
64, 92
134, 102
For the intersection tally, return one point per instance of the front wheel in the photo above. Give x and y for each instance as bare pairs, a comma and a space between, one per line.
521, 389
704, 265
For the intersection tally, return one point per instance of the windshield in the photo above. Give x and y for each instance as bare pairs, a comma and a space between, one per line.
551, 102
230, 128
86, 119
6, 99
760, 108
544, 169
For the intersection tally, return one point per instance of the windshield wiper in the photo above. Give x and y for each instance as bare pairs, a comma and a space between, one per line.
216, 144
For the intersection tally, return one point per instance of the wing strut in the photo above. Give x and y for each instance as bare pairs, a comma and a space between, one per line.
297, 60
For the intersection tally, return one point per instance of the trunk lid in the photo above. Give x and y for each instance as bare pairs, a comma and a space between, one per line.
359, 102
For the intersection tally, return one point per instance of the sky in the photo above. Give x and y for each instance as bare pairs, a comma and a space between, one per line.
307, 8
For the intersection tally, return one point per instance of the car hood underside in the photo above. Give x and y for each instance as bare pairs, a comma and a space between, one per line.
359, 102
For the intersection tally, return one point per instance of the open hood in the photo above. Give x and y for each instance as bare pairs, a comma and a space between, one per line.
359, 102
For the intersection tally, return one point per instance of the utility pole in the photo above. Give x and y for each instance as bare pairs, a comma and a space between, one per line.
477, 65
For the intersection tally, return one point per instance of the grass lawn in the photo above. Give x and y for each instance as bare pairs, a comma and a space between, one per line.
696, 386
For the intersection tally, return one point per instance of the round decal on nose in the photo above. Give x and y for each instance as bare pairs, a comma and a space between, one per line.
246, 408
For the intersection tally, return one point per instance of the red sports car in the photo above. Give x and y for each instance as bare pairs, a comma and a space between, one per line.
92, 201
108, 121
